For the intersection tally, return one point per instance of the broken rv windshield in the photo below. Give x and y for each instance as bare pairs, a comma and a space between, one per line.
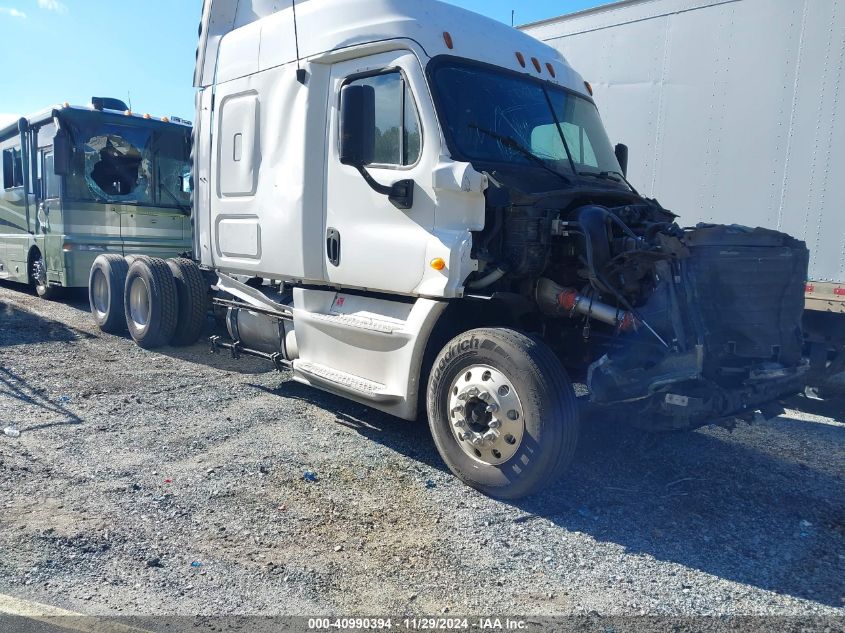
130, 164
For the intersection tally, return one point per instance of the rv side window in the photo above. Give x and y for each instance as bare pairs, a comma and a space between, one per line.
12, 168
49, 178
398, 138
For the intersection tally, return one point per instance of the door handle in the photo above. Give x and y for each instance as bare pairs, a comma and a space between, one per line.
333, 246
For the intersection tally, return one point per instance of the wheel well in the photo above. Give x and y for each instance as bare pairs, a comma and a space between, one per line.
462, 315
34, 253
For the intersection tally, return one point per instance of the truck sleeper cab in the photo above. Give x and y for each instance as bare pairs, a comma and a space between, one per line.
454, 235
81, 181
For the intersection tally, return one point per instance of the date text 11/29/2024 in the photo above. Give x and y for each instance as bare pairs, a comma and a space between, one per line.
416, 624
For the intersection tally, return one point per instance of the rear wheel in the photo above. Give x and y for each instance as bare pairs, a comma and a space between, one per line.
38, 276
149, 300
502, 412
192, 300
106, 284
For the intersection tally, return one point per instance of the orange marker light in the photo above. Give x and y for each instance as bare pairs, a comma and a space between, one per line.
551, 70
165, 119
589, 87
148, 116
521, 59
438, 263
447, 37
536, 63
128, 113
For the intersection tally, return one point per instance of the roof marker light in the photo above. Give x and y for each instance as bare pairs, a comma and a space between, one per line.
589, 87
66, 104
128, 113
537, 65
551, 70
520, 58
148, 116
438, 263
447, 37
165, 119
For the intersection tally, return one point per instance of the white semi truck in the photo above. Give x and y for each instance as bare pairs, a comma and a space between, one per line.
734, 113
451, 233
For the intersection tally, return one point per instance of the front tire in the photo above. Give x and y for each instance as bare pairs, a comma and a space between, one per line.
38, 277
149, 301
106, 283
502, 412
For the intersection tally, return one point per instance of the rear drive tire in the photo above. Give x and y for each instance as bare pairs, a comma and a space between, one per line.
192, 301
149, 302
106, 283
502, 412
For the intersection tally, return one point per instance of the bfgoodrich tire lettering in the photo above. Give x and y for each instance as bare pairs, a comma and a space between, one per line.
545, 409
149, 300
106, 282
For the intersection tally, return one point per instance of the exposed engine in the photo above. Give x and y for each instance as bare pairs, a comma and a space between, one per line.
685, 326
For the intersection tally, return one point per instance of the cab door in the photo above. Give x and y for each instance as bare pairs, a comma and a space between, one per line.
370, 243
49, 226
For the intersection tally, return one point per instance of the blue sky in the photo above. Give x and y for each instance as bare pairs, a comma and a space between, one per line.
69, 50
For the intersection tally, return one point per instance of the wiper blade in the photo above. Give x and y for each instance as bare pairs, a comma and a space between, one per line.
611, 175
512, 143
603, 175
184, 208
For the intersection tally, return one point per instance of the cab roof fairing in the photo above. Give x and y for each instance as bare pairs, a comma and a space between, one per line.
330, 25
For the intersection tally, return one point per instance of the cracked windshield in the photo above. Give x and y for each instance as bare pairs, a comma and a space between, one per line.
128, 164
498, 117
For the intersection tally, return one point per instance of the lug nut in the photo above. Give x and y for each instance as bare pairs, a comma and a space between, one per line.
495, 424
493, 408
484, 396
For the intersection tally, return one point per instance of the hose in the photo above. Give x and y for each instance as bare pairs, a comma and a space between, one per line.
487, 280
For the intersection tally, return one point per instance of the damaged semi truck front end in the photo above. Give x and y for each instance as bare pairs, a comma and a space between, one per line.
454, 235
684, 327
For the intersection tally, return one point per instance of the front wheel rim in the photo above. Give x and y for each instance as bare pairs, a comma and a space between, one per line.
486, 415
100, 294
39, 273
139, 303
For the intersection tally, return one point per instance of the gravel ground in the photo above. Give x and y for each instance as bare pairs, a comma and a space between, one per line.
175, 483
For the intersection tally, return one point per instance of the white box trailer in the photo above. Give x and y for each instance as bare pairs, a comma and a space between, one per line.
453, 233
734, 112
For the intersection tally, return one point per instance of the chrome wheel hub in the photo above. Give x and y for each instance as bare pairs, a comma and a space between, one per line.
139, 303
486, 415
39, 272
100, 293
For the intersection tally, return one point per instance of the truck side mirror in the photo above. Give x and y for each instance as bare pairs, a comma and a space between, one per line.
357, 125
621, 151
61, 153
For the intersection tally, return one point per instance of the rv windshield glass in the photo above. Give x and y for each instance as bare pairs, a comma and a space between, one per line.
498, 117
130, 164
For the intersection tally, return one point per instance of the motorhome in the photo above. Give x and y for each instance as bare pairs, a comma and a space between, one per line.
454, 236
80, 181
733, 111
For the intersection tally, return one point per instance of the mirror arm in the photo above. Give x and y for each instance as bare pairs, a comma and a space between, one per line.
400, 194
